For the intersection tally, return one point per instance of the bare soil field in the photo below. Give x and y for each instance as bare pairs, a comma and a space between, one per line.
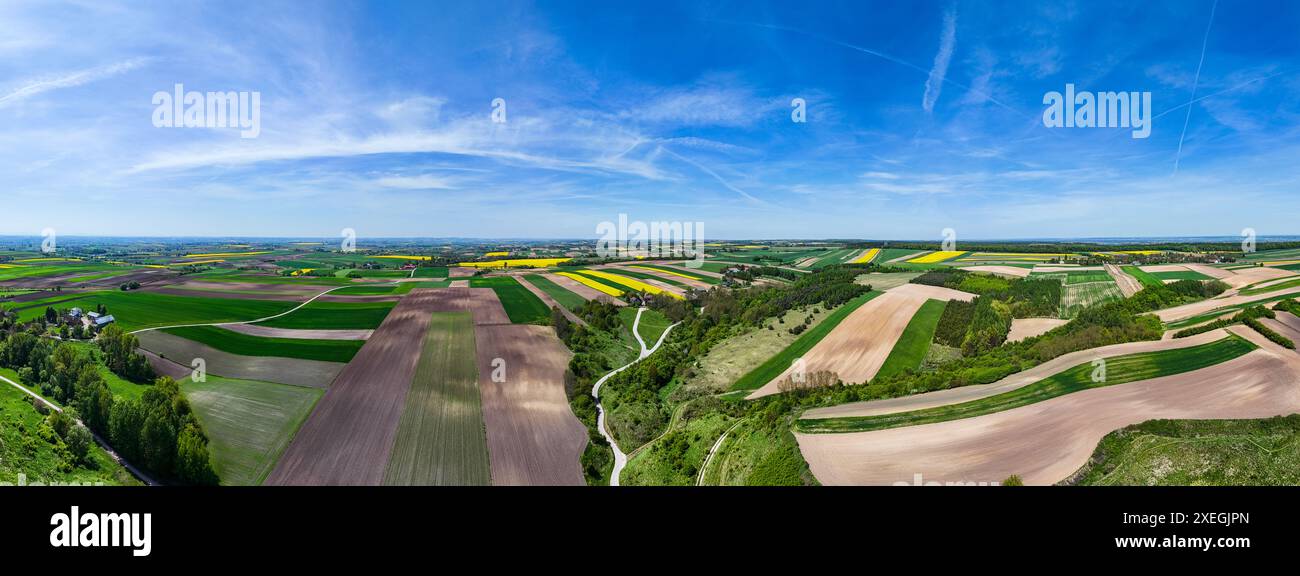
885, 280
1012, 382
1012, 271
258, 330
1046, 442
1242, 277
460, 272
1165, 268
349, 436
1022, 328
360, 298
1128, 285
533, 436
312, 373
458, 284
585, 291
166, 367
1050, 269
857, 348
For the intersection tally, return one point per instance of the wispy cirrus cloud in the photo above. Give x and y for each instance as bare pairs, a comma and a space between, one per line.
947, 42
73, 79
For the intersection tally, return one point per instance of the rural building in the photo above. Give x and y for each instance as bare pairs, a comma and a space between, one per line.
102, 321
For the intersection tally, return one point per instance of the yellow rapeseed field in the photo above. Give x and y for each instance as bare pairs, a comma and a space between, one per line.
588, 282
866, 257
516, 263
496, 254
662, 271
196, 262
630, 283
938, 256
49, 260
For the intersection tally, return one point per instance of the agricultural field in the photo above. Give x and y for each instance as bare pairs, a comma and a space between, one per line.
912, 346
625, 283
678, 272
937, 257
1119, 370
1076, 277
1143, 277
334, 316
248, 423
140, 310
246, 345
1181, 275
521, 305
560, 294
1076, 297
779, 363
440, 437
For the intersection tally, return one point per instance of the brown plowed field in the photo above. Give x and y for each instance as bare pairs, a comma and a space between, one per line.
857, 348
1045, 442
533, 436
348, 437
268, 332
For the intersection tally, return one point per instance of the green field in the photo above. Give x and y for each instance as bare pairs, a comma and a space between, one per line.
1211, 315
136, 310
1076, 297
335, 316
1263, 452
1248, 291
38, 270
841, 256
715, 267
248, 423
1119, 370
246, 345
559, 293
652, 324
431, 272
522, 306
1143, 277
912, 345
440, 437
775, 365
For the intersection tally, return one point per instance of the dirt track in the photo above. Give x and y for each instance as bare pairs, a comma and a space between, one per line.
533, 437
859, 345
1044, 443
1128, 285
348, 437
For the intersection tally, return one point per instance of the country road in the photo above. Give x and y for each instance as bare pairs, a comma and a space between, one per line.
620, 459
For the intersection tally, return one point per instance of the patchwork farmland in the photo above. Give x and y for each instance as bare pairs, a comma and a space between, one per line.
472, 368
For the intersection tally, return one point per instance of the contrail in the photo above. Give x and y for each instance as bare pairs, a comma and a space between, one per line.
1195, 81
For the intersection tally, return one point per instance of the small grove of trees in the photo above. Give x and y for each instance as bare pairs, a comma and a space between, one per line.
161, 432
121, 356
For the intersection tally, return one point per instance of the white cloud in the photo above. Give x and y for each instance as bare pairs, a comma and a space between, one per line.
947, 41
68, 80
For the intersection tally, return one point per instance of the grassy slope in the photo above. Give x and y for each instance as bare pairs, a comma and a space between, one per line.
23, 452
247, 345
249, 423
1119, 370
135, 310
522, 306
335, 316
911, 347
1263, 452
775, 365
561, 294
440, 437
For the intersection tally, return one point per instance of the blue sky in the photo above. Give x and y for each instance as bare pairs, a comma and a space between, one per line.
920, 116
